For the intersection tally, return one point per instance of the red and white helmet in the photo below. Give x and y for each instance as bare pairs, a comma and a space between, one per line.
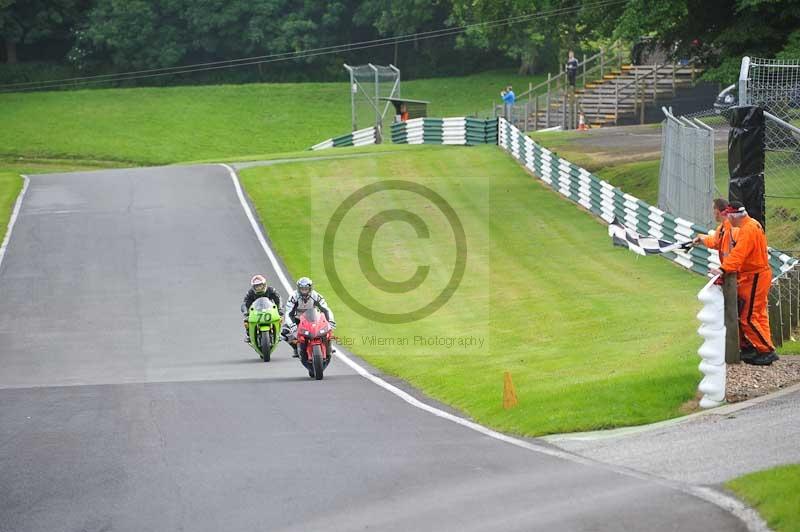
259, 284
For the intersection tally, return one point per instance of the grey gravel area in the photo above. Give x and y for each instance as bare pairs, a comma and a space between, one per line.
746, 382
708, 449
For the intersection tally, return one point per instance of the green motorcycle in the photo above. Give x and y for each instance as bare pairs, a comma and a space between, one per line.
263, 327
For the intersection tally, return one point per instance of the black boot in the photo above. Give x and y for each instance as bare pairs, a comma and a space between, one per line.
747, 353
763, 359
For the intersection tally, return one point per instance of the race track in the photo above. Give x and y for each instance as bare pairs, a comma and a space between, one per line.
129, 402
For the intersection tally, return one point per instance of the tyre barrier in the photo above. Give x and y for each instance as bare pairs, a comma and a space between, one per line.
608, 202
464, 131
362, 137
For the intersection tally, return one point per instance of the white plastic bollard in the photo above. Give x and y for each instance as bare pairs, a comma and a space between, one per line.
712, 352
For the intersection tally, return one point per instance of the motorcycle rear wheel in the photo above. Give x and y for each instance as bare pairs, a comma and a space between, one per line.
316, 360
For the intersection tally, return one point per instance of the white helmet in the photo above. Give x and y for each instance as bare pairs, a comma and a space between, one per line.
304, 287
259, 284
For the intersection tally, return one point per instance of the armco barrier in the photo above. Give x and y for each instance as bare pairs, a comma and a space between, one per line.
609, 202
454, 131
362, 137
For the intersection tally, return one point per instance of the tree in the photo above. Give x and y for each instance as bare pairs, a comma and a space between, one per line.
29, 21
163, 33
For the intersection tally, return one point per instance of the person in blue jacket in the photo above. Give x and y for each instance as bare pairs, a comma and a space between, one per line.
508, 100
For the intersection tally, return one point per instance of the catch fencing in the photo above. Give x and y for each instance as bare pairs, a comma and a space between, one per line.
774, 84
686, 175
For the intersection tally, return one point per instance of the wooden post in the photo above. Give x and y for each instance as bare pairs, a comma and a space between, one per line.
584, 71
564, 111
527, 111
642, 105
547, 110
729, 294
786, 307
601, 63
616, 103
775, 318
673, 80
655, 83
536, 113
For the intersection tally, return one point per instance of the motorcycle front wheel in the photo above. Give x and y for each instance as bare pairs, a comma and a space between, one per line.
266, 346
317, 362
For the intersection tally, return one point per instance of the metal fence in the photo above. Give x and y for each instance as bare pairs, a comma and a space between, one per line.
774, 84
370, 85
686, 175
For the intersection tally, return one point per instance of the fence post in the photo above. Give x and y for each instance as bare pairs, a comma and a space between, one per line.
642, 105
673, 80
536, 113
601, 63
732, 354
584, 71
655, 83
527, 107
547, 110
616, 103
774, 312
564, 110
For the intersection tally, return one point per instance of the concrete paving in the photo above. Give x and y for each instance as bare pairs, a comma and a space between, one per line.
708, 449
128, 400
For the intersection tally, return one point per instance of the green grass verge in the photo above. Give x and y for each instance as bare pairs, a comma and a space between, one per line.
11, 180
168, 125
775, 493
593, 336
791, 347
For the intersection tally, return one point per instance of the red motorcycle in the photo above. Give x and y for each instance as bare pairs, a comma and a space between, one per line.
314, 337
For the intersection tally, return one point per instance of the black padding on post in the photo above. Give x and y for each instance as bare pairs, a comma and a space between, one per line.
746, 160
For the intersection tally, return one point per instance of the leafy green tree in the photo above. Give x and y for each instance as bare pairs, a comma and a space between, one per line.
30, 21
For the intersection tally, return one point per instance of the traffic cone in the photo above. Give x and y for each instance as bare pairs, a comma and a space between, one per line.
509, 395
582, 123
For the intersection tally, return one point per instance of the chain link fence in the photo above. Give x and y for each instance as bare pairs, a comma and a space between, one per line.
370, 87
774, 84
686, 185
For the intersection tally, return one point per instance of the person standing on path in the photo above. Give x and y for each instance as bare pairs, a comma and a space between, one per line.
572, 70
750, 260
509, 98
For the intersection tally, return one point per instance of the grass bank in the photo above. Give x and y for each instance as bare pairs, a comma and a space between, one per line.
775, 493
594, 337
168, 125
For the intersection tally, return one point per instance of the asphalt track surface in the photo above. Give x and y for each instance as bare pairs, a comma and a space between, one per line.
128, 400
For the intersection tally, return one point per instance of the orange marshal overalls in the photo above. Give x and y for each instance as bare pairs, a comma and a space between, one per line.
722, 239
749, 259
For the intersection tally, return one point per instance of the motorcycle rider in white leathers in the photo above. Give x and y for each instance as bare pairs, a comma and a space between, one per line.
304, 298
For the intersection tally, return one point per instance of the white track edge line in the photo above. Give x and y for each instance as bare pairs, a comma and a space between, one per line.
13, 220
748, 516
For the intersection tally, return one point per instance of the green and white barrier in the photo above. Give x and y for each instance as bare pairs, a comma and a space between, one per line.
452, 131
609, 202
362, 137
